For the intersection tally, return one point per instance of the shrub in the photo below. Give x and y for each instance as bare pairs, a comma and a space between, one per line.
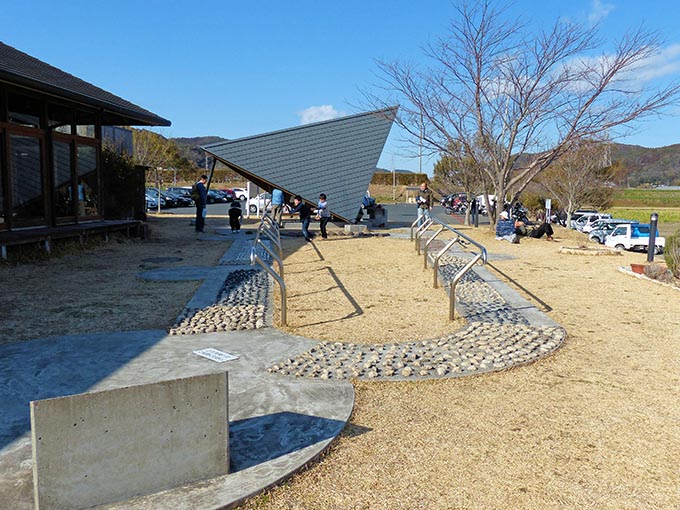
672, 253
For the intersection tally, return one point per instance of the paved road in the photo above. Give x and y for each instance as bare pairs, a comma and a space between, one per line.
398, 215
405, 214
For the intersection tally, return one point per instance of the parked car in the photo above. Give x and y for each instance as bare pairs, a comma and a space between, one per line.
180, 199
229, 194
634, 236
605, 228
167, 200
184, 191
587, 219
215, 197
576, 215
152, 201
259, 202
593, 224
240, 193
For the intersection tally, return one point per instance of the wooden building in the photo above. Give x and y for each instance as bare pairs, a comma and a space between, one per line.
50, 145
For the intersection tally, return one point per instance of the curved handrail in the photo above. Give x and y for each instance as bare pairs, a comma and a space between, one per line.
269, 228
461, 239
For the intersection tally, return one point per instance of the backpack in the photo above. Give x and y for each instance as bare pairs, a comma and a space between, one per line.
195, 195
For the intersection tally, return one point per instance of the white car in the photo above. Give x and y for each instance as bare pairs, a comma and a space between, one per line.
258, 203
240, 193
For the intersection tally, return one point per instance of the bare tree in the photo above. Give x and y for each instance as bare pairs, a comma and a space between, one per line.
457, 169
502, 90
152, 149
580, 177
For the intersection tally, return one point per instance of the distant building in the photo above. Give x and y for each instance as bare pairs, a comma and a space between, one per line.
51, 132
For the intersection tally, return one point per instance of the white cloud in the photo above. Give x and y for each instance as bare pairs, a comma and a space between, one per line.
319, 113
599, 10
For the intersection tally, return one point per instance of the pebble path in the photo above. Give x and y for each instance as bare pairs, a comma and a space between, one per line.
496, 337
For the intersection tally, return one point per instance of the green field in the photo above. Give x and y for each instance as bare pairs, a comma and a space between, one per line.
646, 198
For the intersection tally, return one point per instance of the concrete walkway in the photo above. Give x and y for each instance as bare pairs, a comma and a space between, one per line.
278, 423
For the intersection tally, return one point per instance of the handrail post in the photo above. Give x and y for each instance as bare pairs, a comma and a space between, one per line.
421, 231
427, 243
282, 286
273, 256
454, 282
435, 265
277, 242
271, 230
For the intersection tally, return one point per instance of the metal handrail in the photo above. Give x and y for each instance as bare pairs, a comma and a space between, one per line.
274, 235
421, 231
461, 239
419, 226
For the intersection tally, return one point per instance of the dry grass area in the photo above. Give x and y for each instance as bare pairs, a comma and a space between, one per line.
363, 291
596, 425
98, 289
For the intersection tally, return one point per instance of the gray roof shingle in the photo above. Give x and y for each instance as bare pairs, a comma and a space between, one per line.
22, 69
337, 157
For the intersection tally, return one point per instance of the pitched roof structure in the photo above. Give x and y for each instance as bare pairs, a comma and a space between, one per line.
337, 157
17, 67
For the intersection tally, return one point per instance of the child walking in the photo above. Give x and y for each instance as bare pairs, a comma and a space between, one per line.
235, 215
323, 214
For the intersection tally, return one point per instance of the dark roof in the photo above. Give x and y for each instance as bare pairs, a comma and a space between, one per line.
22, 69
337, 157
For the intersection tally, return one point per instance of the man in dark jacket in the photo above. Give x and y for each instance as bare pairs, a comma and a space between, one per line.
305, 215
424, 202
201, 199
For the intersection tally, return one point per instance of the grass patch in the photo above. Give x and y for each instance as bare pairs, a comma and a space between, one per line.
642, 214
633, 197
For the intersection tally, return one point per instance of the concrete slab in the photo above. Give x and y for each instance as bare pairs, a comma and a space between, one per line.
106, 446
277, 423
355, 229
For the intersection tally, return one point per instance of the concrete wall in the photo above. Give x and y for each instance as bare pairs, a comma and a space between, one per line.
106, 446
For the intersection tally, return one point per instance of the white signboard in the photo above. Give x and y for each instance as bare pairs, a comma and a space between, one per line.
216, 355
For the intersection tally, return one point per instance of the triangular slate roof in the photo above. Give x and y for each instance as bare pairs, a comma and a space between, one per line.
22, 69
337, 157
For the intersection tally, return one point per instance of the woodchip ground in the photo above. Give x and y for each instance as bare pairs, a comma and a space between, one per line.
595, 425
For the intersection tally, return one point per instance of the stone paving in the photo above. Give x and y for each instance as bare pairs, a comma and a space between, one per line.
503, 330
498, 336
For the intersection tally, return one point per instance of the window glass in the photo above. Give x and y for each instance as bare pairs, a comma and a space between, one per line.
85, 130
63, 194
27, 184
23, 110
60, 118
88, 183
85, 123
2, 191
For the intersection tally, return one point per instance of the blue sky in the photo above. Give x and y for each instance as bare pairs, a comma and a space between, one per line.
235, 69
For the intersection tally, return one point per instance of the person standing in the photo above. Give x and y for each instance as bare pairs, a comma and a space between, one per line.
424, 202
305, 215
200, 196
323, 214
277, 206
235, 215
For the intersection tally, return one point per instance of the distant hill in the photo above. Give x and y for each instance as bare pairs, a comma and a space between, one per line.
637, 165
189, 148
641, 165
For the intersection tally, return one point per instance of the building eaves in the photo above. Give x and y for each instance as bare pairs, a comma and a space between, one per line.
19, 68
